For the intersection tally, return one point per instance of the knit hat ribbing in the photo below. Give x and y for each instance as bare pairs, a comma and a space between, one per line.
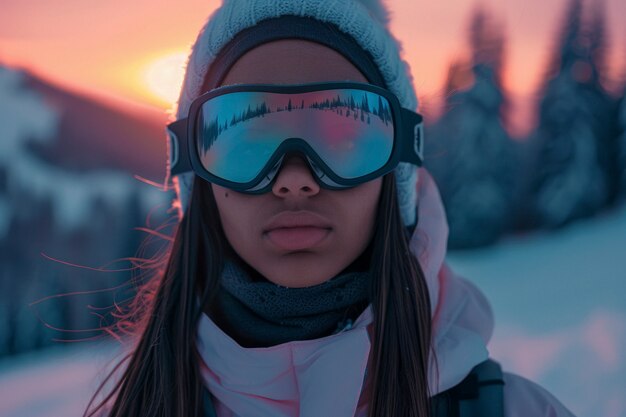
363, 20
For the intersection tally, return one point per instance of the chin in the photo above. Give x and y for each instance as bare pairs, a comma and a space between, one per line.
299, 274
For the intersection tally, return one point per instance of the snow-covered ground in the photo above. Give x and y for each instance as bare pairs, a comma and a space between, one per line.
57, 382
560, 306
559, 300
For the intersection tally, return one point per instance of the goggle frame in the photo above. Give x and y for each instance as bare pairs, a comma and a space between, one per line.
408, 141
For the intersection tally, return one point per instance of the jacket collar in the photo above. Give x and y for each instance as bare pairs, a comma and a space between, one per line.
288, 379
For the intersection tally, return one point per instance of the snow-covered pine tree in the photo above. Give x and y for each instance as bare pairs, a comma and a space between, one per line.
621, 141
470, 152
602, 106
569, 180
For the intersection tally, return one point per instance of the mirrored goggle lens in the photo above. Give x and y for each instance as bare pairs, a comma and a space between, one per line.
351, 130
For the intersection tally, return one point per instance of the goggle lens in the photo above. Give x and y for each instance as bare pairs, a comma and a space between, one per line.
350, 130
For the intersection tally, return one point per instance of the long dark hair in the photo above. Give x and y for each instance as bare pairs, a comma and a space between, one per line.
161, 375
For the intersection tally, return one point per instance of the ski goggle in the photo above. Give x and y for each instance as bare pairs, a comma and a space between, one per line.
349, 133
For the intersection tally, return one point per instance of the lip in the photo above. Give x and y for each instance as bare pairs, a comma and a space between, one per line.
292, 231
295, 219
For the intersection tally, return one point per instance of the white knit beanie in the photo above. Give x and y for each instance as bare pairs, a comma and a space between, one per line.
366, 21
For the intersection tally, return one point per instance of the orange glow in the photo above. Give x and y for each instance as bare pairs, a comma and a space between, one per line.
111, 48
163, 77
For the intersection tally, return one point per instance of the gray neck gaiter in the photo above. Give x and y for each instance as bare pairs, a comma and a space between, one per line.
262, 314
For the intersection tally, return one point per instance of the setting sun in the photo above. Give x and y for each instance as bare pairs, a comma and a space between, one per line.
164, 76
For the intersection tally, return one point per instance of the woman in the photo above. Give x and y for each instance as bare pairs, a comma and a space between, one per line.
307, 275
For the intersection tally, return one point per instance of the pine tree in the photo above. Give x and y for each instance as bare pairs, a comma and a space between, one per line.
621, 145
602, 106
474, 162
570, 180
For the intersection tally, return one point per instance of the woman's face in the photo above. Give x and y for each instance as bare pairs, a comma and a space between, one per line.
298, 234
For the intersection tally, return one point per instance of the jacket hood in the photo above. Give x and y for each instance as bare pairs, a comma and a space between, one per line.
290, 379
462, 319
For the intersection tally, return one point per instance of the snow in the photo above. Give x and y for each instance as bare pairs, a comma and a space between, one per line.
559, 302
24, 117
560, 321
57, 382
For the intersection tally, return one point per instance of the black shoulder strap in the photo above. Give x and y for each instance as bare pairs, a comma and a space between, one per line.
480, 394
208, 409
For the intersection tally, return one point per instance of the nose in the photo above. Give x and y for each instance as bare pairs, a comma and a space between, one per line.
295, 178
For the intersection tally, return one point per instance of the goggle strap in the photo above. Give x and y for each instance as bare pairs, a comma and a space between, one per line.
413, 127
179, 150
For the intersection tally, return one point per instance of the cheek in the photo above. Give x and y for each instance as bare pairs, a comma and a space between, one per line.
366, 199
363, 206
234, 215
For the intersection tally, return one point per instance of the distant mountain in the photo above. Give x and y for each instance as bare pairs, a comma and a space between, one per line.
93, 135
67, 191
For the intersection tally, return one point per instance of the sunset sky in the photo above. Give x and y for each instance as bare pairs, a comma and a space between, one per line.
113, 48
